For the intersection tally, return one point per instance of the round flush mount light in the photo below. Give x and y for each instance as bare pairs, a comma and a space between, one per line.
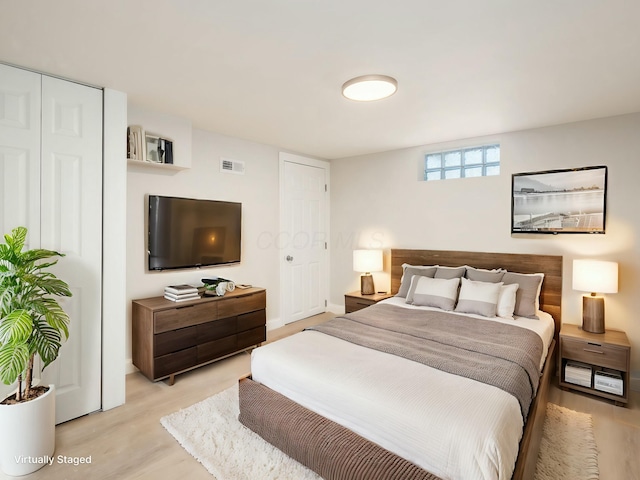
369, 87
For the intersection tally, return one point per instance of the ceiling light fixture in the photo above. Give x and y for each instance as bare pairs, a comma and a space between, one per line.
369, 87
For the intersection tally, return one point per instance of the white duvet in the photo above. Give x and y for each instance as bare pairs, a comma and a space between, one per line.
451, 426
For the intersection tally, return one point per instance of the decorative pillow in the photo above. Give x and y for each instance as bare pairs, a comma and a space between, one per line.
507, 301
408, 271
482, 275
480, 298
450, 272
433, 292
527, 296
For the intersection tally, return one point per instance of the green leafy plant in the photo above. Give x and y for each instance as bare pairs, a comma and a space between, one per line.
31, 320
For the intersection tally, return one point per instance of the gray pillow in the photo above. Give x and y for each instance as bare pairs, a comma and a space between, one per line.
411, 270
482, 275
527, 296
450, 272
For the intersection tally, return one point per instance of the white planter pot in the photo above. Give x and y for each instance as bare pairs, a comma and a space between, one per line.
28, 434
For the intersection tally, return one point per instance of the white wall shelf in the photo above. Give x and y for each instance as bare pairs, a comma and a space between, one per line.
157, 166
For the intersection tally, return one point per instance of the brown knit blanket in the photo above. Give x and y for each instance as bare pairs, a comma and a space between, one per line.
502, 355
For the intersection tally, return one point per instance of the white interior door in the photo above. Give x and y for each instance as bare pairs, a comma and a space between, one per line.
20, 151
71, 223
304, 237
19, 157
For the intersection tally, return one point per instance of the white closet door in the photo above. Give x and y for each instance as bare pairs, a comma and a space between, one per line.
71, 223
20, 152
304, 255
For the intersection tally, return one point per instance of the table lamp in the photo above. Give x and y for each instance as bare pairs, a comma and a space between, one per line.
367, 261
594, 276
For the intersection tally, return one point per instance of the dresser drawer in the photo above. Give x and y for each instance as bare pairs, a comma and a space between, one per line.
217, 348
185, 316
247, 321
229, 307
174, 362
603, 355
252, 337
354, 304
216, 329
174, 341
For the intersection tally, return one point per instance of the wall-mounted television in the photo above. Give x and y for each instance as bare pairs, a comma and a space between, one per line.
192, 233
559, 201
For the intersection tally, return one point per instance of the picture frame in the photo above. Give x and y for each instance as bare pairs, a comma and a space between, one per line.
559, 201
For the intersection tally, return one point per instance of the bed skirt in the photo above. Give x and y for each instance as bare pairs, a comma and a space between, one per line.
329, 449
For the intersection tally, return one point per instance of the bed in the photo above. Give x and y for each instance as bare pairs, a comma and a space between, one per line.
347, 410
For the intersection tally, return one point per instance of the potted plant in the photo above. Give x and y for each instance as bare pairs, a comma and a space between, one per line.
31, 323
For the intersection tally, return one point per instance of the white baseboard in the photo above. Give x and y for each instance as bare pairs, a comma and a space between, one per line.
335, 308
274, 323
130, 367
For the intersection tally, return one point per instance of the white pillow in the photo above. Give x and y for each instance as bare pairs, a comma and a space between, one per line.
480, 298
433, 292
507, 301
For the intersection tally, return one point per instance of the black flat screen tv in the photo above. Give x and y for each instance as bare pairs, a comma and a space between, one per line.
559, 201
191, 233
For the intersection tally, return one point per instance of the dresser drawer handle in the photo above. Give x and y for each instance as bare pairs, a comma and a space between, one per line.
593, 351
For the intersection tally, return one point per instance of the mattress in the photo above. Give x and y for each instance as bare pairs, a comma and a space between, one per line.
451, 426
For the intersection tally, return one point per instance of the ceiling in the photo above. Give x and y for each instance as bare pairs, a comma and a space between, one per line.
270, 71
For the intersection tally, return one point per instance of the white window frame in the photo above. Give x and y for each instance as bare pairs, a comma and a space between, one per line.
462, 166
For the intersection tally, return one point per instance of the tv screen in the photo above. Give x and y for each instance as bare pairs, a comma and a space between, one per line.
559, 201
188, 233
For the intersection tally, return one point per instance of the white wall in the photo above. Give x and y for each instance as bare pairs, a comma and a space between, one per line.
257, 189
377, 202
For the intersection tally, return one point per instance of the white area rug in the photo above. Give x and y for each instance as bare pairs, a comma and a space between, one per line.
568, 449
211, 432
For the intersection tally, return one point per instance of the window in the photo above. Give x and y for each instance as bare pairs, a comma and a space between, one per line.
464, 163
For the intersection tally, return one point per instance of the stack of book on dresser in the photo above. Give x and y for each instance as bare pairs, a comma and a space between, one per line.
181, 293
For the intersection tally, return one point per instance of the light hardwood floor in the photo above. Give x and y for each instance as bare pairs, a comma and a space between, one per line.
128, 442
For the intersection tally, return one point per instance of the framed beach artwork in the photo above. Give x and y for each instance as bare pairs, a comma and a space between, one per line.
559, 201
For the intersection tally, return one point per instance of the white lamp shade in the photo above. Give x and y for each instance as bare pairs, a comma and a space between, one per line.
595, 276
367, 260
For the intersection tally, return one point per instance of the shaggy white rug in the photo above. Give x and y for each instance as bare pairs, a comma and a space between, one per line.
567, 449
211, 432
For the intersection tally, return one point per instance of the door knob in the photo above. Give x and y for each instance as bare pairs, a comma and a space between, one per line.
289, 258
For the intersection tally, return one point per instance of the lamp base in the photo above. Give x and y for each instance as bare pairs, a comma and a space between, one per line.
366, 285
593, 314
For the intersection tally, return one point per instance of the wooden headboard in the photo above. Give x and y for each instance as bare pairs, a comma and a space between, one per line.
550, 265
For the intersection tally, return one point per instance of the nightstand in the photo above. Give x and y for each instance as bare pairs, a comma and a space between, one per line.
593, 353
354, 301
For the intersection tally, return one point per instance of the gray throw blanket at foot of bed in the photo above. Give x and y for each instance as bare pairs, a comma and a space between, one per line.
498, 354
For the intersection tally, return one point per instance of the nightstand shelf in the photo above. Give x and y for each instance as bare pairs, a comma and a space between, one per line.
355, 301
608, 352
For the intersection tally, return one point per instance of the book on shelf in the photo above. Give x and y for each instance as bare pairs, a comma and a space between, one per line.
181, 298
181, 289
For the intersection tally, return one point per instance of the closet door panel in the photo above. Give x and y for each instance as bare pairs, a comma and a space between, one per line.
20, 152
71, 222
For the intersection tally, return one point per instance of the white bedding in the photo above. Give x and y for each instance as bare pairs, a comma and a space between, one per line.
454, 427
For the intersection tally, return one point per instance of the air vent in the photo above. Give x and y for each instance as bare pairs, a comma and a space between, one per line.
231, 166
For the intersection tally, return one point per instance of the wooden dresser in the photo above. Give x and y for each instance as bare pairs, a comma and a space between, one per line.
171, 337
